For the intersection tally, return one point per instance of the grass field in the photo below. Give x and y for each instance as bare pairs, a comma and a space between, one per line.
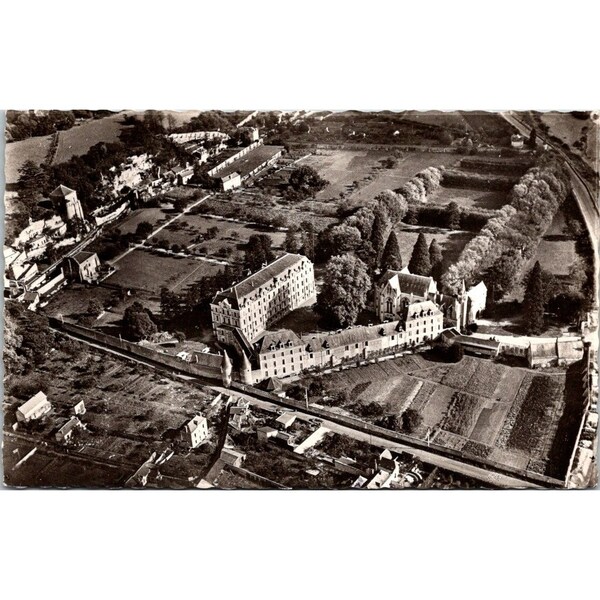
154, 216
130, 413
451, 242
469, 198
342, 167
478, 406
16, 153
79, 139
144, 270
230, 235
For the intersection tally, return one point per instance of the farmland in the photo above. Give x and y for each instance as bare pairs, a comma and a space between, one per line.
343, 167
509, 415
130, 413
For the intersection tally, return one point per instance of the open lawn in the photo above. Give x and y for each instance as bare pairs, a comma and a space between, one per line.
451, 242
16, 153
343, 167
469, 198
152, 215
80, 138
556, 252
145, 270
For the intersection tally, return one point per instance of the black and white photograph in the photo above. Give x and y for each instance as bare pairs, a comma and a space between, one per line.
303, 299
299, 299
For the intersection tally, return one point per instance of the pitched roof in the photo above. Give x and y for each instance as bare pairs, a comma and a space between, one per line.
352, 335
280, 339
417, 310
468, 340
33, 403
407, 283
82, 256
570, 349
273, 384
69, 425
62, 191
279, 267
194, 423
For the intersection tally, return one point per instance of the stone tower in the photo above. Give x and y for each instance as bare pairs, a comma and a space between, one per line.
246, 371
226, 369
67, 202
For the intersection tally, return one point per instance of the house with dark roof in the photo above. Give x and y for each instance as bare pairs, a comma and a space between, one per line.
263, 298
83, 267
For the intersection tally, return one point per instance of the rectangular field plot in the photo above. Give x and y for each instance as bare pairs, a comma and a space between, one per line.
152, 215
144, 270
343, 167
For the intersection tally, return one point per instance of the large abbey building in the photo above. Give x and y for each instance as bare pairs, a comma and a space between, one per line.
260, 300
409, 307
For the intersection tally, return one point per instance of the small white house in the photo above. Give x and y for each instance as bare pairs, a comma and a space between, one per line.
286, 419
79, 408
34, 408
195, 431
65, 433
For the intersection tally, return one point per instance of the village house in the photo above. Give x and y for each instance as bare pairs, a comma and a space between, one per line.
232, 457
36, 407
516, 140
260, 300
231, 181
65, 433
195, 431
286, 419
83, 267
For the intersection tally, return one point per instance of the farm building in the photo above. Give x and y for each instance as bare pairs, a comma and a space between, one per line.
231, 181
471, 344
546, 352
34, 408
286, 419
232, 457
83, 267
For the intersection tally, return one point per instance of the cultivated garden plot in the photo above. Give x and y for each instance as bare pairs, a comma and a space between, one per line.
129, 414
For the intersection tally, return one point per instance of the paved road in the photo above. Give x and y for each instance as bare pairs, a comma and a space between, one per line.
491, 477
158, 230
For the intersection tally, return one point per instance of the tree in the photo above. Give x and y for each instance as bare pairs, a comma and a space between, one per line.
453, 215
345, 288
391, 258
337, 239
435, 258
306, 181
309, 239
456, 353
532, 141
378, 237
170, 304
94, 307
533, 302
419, 261
137, 322
411, 420
179, 205
143, 230
291, 243
32, 180
258, 252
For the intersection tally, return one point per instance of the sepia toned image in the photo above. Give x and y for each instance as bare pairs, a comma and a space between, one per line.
301, 299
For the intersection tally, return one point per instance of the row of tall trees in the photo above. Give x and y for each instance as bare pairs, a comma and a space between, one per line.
508, 240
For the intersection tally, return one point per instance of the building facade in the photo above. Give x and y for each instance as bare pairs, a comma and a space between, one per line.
83, 267
260, 300
396, 286
283, 353
195, 431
